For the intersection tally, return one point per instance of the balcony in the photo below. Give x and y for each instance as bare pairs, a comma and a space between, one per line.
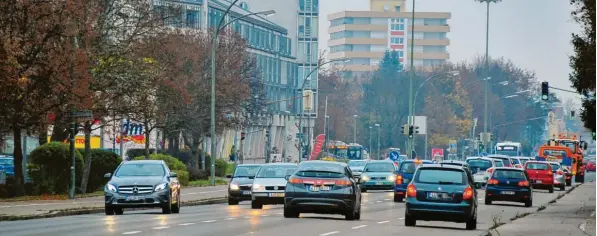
369, 41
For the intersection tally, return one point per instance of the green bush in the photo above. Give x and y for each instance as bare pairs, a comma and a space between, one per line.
198, 174
221, 166
174, 164
102, 162
50, 168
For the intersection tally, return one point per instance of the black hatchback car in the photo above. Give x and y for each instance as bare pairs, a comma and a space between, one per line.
322, 187
143, 183
509, 184
241, 183
441, 193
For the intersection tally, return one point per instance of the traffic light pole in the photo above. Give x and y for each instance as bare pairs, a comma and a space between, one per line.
412, 71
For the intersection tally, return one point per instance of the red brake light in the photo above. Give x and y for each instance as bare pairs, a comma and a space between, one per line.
295, 181
468, 193
343, 182
399, 179
411, 191
490, 170
492, 181
560, 172
523, 183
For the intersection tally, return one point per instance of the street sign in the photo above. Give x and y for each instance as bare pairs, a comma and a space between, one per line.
453, 146
484, 154
394, 155
83, 114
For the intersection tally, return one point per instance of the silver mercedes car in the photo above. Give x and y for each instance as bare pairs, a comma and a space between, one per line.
270, 184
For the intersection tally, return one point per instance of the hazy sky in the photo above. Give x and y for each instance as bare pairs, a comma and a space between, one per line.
534, 34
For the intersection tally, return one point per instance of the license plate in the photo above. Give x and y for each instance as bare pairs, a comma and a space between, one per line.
319, 188
507, 192
379, 183
538, 181
438, 196
276, 194
246, 193
132, 198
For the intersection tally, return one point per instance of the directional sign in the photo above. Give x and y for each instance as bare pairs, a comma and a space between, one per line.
484, 154
394, 155
83, 114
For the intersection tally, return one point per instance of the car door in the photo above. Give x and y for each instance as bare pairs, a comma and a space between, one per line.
355, 186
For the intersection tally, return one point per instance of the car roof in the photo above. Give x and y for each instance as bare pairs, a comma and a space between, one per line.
357, 161
422, 161
435, 166
480, 158
279, 164
508, 168
453, 161
325, 162
380, 161
239, 165
131, 162
497, 156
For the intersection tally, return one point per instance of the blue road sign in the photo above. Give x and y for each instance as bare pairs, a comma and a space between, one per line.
394, 155
484, 154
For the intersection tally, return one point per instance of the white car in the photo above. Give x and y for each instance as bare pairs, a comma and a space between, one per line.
481, 168
270, 184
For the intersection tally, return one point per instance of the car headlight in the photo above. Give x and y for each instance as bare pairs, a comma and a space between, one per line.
111, 188
391, 178
161, 187
258, 187
234, 187
365, 177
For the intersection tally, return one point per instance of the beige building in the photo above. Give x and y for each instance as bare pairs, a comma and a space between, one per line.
364, 36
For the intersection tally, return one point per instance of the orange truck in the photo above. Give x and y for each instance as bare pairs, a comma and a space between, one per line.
573, 157
560, 154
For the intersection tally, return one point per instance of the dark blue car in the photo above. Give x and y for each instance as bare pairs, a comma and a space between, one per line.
441, 193
404, 176
509, 184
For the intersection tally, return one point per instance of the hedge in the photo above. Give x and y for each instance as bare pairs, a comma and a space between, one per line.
50, 168
102, 162
174, 164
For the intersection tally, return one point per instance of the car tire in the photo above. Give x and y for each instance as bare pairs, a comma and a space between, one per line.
471, 224
108, 210
255, 204
350, 214
232, 201
528, 203
487, 201
357, 215
562, 187
582, 179
569, 182
398, 198
167, 208
551, 189
363, 190
409, 221
290, 212
176, 207
118, 211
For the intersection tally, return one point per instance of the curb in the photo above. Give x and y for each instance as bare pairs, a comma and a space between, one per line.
542, 207
97, 210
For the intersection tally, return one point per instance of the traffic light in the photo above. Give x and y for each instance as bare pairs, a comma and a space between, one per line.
243, 135
404, 129
411, 130
416, 129
266, 133
491, 137
572, 113
544, 91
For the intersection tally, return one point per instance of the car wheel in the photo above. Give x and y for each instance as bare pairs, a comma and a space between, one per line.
582, 179
363, 190
528, 203
290, 212
471, 224
232, 201
357, 216
118, 211
562, 187
569, 182
167, 208
551, 189
176, 207
409, 220
487, 201
350, 214
397, 198
109, 210
255, 204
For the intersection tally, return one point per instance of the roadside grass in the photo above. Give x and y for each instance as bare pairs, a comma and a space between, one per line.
44, 197
206, 182
230, 168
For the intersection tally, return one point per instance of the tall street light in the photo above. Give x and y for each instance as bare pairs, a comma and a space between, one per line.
370, 138
485, 113
302, 112
412, 71
354, 135
214, 42
378, 142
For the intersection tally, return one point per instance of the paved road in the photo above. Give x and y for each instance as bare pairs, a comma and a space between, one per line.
381, 216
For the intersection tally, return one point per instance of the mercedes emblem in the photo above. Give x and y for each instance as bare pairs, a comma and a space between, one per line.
275, 187
439, 188
135, 190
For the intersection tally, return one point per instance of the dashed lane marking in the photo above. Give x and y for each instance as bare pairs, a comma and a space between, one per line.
330, 233
231, 219
131, 232
360, 226
185, 224
383, 222
161, 227
209, 221
401, 218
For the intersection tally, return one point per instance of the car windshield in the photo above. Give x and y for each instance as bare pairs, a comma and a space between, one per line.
246, 171
514, 161
441, 176
554, 166
509, 174
320, 170
479, 164
537, 166
498, 163
139, 169
357, 163
6, 161
408, 168
276, 171
379, 167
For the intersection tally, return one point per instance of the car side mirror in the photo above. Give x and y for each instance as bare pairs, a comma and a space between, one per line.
108, 175
173, 175
229, 176
287, 177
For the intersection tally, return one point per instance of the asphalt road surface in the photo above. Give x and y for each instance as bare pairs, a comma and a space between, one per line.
380, 216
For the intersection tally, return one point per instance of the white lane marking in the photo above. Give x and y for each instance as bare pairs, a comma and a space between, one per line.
185, 224
378, 201
265, 215
383, 222
401, 218
193, 193
231, 219
161, 227
208, 221
387, 199
247, 217
329, 233
360, 226
50, 203
131, 232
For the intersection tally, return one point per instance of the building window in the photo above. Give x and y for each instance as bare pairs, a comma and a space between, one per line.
398, 24
400, 54
397, 8
395, 40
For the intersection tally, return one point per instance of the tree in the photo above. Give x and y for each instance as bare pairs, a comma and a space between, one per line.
583, 60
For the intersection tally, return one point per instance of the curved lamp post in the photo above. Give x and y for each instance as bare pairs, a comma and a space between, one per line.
214, 42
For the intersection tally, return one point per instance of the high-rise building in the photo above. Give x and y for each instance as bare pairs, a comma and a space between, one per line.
364, 36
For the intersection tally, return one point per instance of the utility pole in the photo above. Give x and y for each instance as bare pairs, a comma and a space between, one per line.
412, 71
354, 132
325, 125
378, 141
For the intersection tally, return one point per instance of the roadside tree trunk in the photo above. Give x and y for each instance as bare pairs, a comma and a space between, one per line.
87, 169
19, 187
147, 133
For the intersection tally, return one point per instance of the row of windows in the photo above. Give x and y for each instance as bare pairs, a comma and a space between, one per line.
381, 21
187, 16
397, 40
397, 24
309, 5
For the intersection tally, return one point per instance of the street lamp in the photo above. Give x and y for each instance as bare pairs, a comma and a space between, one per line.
213, 79
370, 138
354, 135
411, 75
378, 142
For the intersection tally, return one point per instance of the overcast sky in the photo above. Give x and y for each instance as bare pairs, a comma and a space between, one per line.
534, 34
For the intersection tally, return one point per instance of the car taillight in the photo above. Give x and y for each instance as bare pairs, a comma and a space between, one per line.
468, 193
492, 181
490, 170
523, 183
343, 182
560, 172
411, 191
399, 179
295, 181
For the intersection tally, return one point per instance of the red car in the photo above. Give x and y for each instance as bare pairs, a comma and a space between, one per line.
540, 174
590, 166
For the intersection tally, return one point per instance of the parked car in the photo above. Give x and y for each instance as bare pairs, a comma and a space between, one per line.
378, 175
441, 193
404, 175
142, 184
270, 184
559, 177
509, 184
322, 187
540, 174
241, 182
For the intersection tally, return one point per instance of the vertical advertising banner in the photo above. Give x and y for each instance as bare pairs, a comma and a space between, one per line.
318, 147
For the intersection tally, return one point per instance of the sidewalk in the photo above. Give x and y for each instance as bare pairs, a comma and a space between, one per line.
40, 207
573, 214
